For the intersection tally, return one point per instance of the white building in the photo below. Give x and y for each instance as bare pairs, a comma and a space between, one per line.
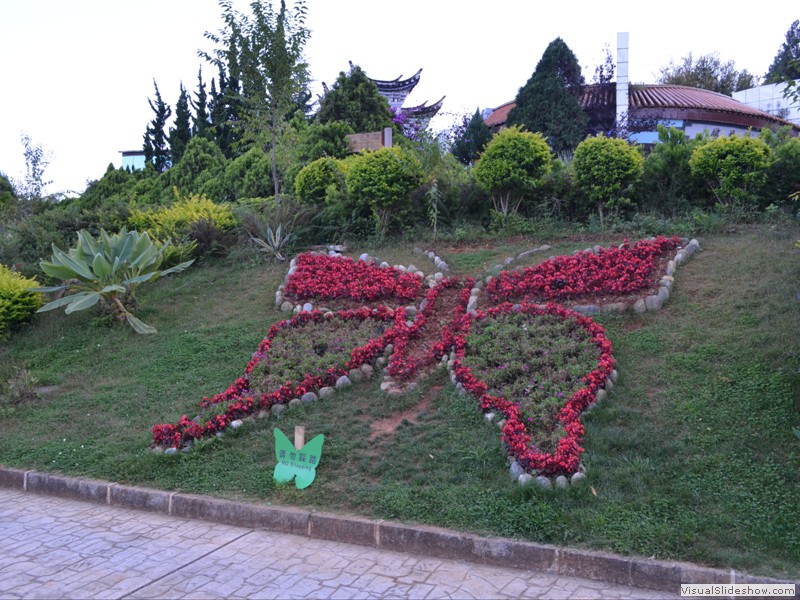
769, 98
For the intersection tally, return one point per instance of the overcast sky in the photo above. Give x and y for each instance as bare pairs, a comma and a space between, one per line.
76, 74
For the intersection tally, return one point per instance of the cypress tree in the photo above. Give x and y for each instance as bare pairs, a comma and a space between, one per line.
155, 147
354, 99
786, 64
180, 135
470, 139
201, 123
548, 102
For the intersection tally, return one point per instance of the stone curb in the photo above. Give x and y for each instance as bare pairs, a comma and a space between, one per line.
386, 535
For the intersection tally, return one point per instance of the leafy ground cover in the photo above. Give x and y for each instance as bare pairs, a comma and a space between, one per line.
536, 361
692, 456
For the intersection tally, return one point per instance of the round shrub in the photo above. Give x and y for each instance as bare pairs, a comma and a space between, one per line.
735, 168
313, 180
605, 171
384, 180
17, 304
249, 175
510, 166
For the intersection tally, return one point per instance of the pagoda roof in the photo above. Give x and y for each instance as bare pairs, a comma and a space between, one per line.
423, 110
398, 84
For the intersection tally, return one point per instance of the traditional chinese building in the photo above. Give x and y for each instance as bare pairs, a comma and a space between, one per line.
397, 90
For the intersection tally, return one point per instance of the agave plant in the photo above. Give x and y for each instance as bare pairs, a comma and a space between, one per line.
272, 241
106, 270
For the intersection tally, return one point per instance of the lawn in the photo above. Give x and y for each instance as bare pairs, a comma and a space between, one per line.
692, 457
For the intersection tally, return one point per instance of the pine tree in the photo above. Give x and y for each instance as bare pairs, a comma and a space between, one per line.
354, 99
786, 65
548, 102
155, 146
180, 135
470, 138
201, 122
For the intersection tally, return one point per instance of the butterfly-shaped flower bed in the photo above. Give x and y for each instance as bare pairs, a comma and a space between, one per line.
534, 368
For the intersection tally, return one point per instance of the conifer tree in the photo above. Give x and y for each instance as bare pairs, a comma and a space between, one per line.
201, 122
221, 129
786, 65
180, 135
156, 150
548, 102
355, 100
470, 139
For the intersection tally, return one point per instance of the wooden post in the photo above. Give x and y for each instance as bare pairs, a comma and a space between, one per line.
299, 437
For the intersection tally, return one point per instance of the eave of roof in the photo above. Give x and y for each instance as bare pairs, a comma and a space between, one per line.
397, 84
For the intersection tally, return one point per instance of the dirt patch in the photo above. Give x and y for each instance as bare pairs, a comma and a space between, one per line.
388, 426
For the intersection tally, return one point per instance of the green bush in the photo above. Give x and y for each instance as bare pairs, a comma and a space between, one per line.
734, 168
783, 175
606, 169
248, 176
667, 185
17, 303
8, 199
193, 218
313, 180
200, 170
510, 166
384, 180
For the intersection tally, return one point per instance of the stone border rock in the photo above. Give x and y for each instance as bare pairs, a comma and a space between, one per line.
425, 540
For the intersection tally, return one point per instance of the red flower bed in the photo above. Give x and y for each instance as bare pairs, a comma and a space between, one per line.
613, 271
238, 400
516, 438
323, 277
434, 321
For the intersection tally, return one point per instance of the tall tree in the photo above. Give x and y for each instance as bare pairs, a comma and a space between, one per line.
156, 149
201, 122
270, 63
470, 138
354, 99
605, 73
180, 135
707, 72
36, 161
548, 102
786, 65
220, 117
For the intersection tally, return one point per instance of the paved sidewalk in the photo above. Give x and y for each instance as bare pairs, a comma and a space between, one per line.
59, 548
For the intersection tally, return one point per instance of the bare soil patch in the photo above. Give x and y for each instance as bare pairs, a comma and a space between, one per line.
387, 427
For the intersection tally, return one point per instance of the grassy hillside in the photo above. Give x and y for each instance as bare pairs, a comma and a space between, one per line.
692, 457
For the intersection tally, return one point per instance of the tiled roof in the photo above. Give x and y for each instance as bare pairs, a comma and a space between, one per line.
669, 102
500, 114
679, 96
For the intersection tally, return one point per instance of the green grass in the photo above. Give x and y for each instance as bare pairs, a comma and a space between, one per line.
692, 457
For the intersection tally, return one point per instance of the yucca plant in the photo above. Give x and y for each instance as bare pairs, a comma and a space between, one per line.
106, 270
272, 241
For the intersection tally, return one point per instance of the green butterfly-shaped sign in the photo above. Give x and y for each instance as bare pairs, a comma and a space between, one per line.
300, 465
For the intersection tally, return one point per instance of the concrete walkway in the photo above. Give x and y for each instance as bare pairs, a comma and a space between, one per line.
52, 547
